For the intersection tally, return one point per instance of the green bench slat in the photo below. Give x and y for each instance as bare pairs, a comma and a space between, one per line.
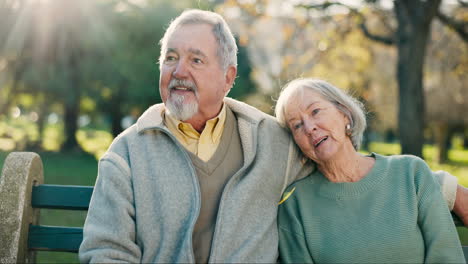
68, 197
55, 238
465, 252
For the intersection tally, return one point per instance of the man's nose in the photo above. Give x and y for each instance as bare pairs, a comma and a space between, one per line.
181, 70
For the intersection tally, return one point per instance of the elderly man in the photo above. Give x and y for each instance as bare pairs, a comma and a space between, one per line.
197, 178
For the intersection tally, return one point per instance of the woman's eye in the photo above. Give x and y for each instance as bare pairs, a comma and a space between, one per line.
315, 111
197, 61
297, 126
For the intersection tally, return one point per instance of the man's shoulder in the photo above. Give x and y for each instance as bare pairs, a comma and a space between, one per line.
121, 141
151, 118
246, 111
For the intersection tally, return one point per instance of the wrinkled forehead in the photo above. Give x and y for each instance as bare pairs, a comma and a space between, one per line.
196, 37
302, 98
293, 104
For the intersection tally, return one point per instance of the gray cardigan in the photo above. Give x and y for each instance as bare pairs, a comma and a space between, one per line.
147, 197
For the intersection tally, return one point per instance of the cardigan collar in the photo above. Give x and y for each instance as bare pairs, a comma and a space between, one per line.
153, 118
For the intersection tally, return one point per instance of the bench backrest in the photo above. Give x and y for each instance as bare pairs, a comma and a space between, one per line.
57, 238
23, 194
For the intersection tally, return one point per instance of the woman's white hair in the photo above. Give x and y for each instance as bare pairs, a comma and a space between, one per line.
227, 48
345, 103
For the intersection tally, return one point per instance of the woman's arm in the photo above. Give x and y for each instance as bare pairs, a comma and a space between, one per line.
440, 236
455, 195
292, 243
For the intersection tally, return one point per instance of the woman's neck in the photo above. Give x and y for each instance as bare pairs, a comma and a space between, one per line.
348, 166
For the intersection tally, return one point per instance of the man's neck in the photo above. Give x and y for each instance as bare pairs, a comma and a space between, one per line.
198, 121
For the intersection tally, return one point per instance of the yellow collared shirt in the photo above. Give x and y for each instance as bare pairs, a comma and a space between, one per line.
203, 145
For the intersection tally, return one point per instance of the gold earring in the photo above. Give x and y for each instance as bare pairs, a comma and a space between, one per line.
348, 130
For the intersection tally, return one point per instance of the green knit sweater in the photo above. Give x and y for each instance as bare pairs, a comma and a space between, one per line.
396, 214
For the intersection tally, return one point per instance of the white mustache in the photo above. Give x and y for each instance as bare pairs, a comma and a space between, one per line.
182, 83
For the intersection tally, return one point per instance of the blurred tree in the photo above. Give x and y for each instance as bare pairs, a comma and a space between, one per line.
103, 52
328, 46
47, 44
243, 85
408, 29
125, 71
446, 89
410, 35
9, 10
275, 56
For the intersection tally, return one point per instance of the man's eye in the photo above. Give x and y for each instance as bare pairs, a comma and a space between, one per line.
197, 60
170, 58
315, 111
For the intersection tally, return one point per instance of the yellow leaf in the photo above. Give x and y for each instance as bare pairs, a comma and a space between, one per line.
286, 195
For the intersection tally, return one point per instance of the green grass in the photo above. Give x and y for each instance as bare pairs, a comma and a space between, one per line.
81, 169
457, 166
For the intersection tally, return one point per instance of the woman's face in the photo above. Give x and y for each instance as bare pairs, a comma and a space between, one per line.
317, 125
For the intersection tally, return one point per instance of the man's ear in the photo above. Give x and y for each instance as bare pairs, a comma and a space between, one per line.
230, 77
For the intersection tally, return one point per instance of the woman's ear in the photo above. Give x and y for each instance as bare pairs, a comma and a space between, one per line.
346, 118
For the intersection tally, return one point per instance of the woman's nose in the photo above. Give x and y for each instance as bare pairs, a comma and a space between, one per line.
309, 127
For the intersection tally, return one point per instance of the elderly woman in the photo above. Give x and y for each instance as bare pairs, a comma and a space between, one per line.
356, 208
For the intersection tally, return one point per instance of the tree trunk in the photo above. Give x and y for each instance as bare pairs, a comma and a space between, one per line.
116, 118
452, 130
72, 104
414, 21
41, 121
465, 138
441, 134
114, 108
71, 126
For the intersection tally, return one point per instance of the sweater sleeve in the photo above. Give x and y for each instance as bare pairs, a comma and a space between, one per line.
109, 230
292, 243
440, 235
448, 184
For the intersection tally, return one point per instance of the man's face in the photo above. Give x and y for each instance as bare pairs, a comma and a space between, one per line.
192, 83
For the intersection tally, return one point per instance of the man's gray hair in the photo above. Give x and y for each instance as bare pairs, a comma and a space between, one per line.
227, 48
345, 103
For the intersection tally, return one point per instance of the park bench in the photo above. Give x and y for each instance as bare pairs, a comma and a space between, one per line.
23, 193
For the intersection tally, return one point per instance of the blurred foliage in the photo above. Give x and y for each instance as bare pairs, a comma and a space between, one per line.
94, 141
98, 59
93, 58
327, 40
